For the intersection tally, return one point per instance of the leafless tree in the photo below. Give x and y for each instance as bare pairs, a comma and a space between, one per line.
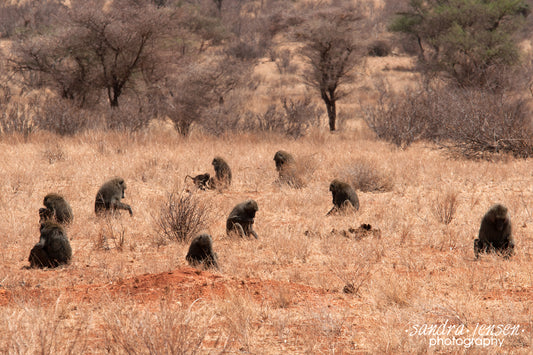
332, 50
95, 47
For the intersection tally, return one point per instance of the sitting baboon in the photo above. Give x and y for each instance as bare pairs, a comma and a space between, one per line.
495, 232
222, 173
202, 181
343, 196
287, 169
282, 158
201, 251
109, 196
53, 248
241, 219
57, 208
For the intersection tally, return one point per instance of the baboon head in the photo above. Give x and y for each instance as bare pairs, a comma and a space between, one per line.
499, 216
281, 158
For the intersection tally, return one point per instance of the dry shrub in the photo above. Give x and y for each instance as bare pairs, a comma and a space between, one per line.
15, 116
61, 116
44, 329
364, 175
54, 153
444, 206
172, 329
472, 122
283, 60
399, 119
293, 118
131, 115
182, 216
239, 315
110, 230
354, 263
394, 291
379, 48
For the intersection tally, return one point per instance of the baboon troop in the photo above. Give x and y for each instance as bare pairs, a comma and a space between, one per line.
57, 208
241, 219
222, 173
109, 196
344, 197
201, 251
202, 181
53, 248
495, 234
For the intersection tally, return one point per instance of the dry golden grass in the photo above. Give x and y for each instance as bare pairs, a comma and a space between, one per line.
127, 292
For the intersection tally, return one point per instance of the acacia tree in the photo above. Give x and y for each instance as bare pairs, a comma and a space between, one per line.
468, 39
332, 52
94, 47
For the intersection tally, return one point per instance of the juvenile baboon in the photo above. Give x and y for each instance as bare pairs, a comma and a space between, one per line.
495, 232
109, 196
201, 251
202, 181
56, 208
223, 172
241, 219
282, 158
53, 248
343, 196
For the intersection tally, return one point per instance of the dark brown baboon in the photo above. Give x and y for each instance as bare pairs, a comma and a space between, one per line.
241, 219
53, 248
343, 196
201, 251
202, 181
223, 173
282, 158
109, 196
495, 232
57, 208
287, 169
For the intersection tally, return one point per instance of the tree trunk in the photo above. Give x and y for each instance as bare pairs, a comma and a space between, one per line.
332, 114
331, 108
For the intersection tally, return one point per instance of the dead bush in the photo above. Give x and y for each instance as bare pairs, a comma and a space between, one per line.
292, 118
469, 121
366, 176
61, 117
15, 116
182, 216
444, 206
379, 49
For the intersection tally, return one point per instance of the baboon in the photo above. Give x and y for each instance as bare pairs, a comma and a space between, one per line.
287, 169
202, 181
495, 232
241, 219
222, 171
201, 251
343, 196
56, 208
282, 158
53, 248
109, 196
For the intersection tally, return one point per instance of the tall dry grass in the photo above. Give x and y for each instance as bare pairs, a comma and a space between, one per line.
285, 290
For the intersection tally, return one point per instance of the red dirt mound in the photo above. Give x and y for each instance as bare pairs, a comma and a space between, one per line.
185, 285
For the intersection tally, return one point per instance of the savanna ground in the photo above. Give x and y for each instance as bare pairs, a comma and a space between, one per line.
130, 290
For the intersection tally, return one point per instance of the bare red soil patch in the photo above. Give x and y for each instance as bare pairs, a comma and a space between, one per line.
184, 285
